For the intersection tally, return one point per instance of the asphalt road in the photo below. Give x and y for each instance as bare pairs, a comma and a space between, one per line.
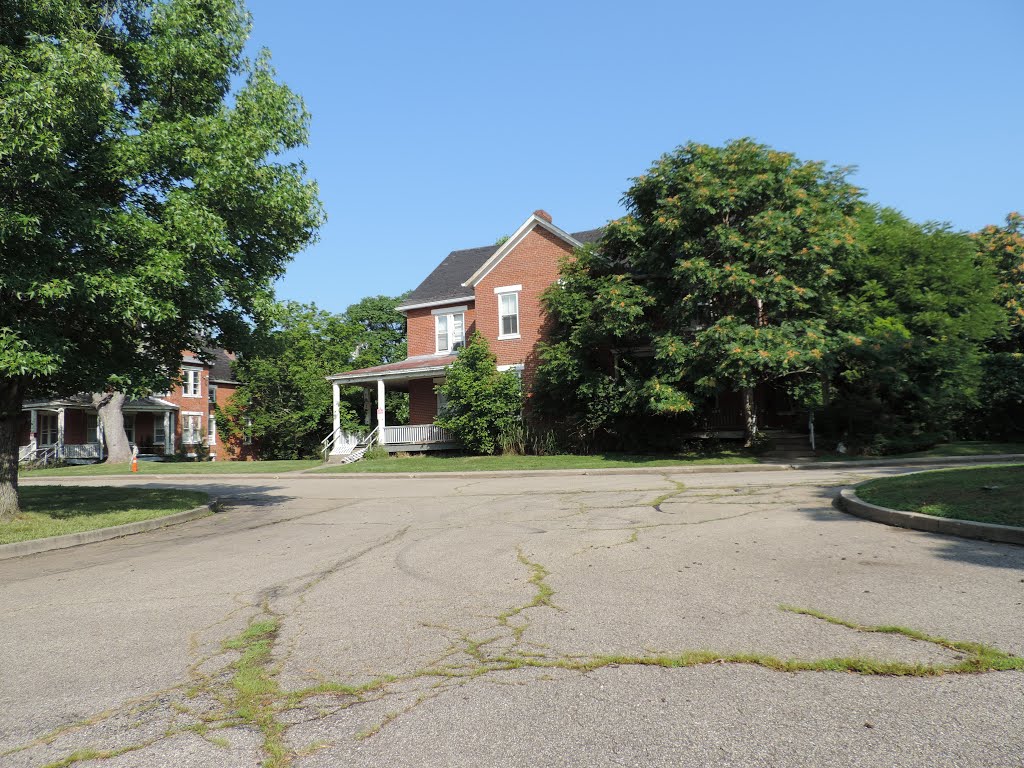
509, 622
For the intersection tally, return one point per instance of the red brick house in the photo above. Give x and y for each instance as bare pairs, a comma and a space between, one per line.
496, 290
158, 425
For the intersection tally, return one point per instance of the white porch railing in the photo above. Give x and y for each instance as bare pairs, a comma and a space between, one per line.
80, 451
417, 434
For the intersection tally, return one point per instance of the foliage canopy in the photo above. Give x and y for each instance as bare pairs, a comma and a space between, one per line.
149, 194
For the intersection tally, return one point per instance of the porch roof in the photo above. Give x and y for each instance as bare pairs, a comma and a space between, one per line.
419, 366
84, 400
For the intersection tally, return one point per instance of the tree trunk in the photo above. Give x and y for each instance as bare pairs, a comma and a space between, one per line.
109, 407
10, 413
749, 418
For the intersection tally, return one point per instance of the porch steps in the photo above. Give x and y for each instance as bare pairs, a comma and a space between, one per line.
348, 458
788, 445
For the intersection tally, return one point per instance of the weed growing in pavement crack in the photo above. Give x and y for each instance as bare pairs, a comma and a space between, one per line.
248, 692
679, 488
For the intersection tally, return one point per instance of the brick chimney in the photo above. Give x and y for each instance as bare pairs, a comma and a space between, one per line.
542, 214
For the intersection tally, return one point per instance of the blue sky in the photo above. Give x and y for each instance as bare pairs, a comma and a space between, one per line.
443, 125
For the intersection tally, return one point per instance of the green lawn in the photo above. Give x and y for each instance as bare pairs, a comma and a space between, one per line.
970, 448
56, 510
965, 448
442, 463
984, 494
177, 468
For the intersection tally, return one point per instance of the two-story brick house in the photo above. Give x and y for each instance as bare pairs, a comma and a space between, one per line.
158, 425
495, 290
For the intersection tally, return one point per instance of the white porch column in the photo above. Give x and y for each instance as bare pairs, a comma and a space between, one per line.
60, 431
336, 406
33, 429
383, 439
168, 434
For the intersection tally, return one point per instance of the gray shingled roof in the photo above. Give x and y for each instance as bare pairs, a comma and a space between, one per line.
445, 282
221, 367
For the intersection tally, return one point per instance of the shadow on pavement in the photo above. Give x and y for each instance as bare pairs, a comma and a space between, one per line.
973, 551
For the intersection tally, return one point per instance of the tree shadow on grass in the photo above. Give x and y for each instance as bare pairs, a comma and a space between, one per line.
65, 502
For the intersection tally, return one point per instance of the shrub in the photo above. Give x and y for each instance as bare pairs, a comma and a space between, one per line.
483, 403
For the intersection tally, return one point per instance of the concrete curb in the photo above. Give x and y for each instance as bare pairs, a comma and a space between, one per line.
850, 502
34, 546
316, 473
680, 469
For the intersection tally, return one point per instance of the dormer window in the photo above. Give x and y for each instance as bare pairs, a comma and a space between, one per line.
508, 311
450, 331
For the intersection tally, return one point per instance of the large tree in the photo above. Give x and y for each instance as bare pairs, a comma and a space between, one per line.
1001, 248
722, 265
916, 305
146, 204
284, 402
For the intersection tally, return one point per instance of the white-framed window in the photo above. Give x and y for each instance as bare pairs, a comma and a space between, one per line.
92, 434
450, 331
191, 382
212, 389
191, 428
508, 311
129, 426
517, 367
159, 435
212, 431
47, 428
247, 432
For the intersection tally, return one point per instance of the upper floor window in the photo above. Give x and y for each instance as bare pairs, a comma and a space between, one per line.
508, 311
450, 331
191, 382
213, 394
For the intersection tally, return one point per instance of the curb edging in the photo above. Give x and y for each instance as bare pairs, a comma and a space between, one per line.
35, 546
319, 473
852, 504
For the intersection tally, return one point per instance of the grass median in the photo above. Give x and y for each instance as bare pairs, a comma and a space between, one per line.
58, 510
982, 494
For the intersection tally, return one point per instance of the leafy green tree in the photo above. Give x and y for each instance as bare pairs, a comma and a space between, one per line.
146, 205
584, 390
1001, 413
917, 310
284, 402
721, 266
481, 401
1002, 248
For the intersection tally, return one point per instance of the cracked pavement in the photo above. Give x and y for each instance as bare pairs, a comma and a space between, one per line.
513, 621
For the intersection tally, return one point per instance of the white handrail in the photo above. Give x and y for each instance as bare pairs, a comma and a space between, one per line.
339, 439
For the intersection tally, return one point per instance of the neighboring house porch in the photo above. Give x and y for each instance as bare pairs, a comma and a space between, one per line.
419, 376
67, 429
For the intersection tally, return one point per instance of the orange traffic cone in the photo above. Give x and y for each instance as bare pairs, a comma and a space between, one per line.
135, 463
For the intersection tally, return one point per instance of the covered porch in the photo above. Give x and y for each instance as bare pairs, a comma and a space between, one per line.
68, 429
418, 376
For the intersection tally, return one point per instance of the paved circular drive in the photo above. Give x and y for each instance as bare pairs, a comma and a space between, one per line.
635, 620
